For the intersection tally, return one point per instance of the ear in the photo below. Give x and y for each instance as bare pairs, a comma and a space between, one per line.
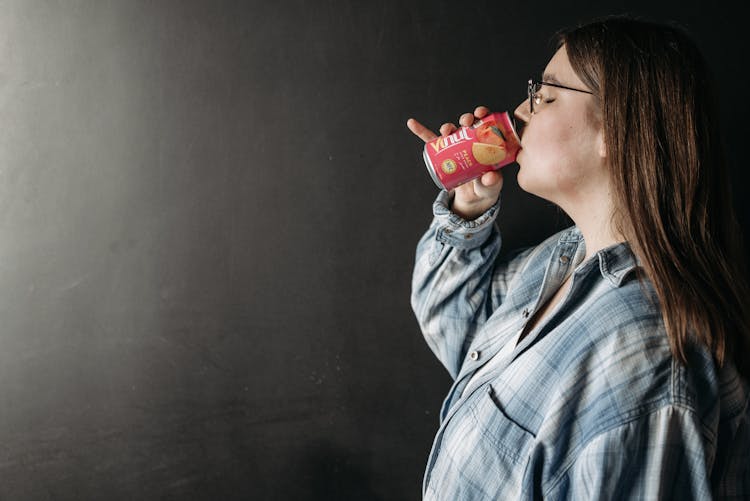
601, 144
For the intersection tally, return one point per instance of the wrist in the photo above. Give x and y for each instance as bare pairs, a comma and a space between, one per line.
468, 212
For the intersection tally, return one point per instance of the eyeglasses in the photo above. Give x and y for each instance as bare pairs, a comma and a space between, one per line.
536, 98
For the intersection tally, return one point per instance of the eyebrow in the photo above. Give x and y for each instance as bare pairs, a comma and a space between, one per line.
549, 77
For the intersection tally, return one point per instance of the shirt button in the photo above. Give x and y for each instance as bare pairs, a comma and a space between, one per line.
468, 236
564, 259
526, 313
474, 355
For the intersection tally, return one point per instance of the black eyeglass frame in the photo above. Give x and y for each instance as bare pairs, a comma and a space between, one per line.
535, 86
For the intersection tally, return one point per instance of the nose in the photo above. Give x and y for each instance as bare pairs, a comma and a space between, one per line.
523, 111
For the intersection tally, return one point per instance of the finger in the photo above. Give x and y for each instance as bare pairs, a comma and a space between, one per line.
466, 120
492, 179
481, 111
489, 185
420, 130
447, 128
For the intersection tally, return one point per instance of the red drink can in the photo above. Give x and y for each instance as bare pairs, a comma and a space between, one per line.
489, 144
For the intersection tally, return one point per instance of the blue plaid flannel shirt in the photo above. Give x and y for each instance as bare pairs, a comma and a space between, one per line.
591, 403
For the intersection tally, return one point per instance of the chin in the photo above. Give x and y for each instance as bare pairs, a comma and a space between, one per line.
521, 178
528, 185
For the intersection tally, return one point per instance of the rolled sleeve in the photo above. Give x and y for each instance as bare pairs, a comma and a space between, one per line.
455, 231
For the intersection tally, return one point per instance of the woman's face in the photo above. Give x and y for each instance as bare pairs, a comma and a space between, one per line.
563, 156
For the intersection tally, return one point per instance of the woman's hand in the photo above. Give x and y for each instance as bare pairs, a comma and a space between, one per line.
473, 198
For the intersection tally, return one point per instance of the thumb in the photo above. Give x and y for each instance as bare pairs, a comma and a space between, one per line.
489, 185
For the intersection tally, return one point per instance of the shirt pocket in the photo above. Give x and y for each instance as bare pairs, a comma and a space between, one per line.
508, 437
483, 454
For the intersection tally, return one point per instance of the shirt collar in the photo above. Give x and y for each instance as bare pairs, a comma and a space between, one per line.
615, 261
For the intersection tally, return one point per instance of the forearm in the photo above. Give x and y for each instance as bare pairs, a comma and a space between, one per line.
452, 287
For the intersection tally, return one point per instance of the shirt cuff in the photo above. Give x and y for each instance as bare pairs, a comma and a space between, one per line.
453, 230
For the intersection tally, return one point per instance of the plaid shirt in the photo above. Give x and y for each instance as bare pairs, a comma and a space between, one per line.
591, 403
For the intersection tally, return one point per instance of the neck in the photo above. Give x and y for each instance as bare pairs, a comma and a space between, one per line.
595, 223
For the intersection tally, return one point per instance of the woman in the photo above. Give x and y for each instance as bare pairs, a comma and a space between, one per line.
610, 361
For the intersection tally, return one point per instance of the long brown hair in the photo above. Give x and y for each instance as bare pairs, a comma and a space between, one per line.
669, 177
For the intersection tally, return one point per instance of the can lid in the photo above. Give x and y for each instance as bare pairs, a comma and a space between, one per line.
431, 169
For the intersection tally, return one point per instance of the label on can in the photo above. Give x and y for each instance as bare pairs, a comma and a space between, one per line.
469, 152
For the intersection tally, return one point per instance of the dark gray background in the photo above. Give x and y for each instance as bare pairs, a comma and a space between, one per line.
208, 212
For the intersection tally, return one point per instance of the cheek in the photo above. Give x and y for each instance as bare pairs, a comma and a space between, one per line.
550, 140
551, 161
546, 150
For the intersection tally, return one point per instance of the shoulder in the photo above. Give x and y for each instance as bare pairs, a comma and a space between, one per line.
657, 454
626, 395
622, 367
615, 355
